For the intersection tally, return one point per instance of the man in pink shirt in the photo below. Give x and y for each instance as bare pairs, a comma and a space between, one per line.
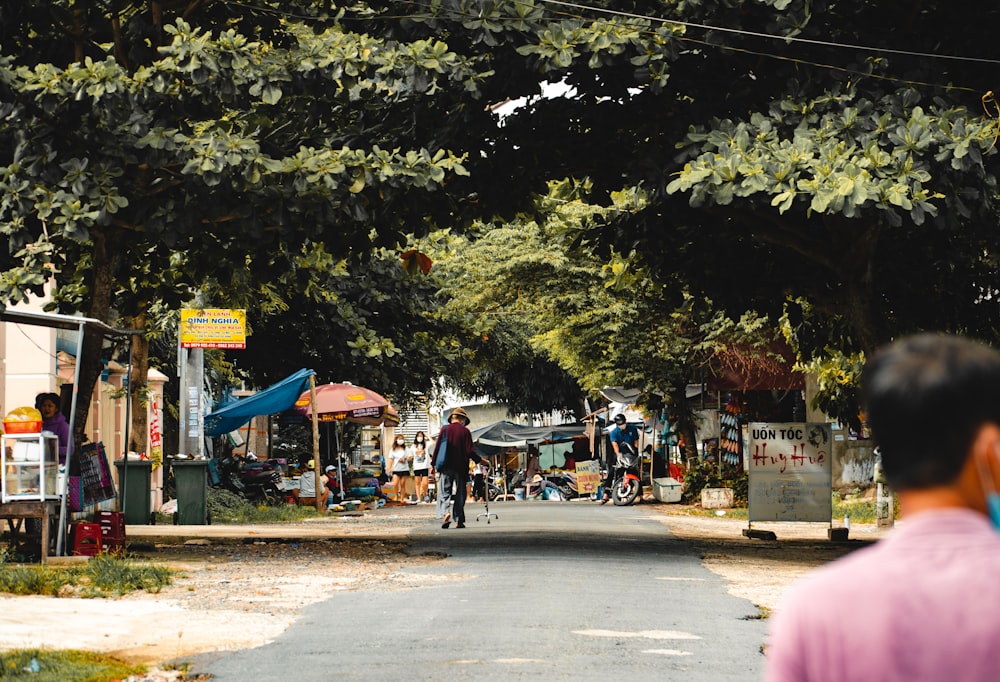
924, 603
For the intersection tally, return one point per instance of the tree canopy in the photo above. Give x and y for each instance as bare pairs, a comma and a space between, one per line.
797, 161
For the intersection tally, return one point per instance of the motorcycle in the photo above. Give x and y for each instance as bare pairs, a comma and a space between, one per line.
255, 480
627, 486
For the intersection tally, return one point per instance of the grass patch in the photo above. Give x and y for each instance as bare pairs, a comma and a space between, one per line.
62, 665
227, 507
103, 576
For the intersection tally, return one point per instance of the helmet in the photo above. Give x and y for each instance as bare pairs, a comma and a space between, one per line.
620, 419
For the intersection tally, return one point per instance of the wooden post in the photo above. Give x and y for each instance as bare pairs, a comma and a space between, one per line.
315, 425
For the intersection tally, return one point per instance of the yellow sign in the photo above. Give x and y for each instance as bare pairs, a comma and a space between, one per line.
213, 328
588, 477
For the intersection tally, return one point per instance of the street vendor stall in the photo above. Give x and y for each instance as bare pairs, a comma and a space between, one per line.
49, 504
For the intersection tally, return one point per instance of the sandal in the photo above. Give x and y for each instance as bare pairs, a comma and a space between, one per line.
447, 520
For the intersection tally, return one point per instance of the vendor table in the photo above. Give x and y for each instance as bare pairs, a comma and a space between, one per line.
18, 511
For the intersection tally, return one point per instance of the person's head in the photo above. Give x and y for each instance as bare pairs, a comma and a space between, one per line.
458, 414
620, 419
420, 437
400, 441
47, 404
329, 469
927, 399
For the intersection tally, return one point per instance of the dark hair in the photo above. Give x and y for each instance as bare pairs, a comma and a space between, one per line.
926, 397
42, 397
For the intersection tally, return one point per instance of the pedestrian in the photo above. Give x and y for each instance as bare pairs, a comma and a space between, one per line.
53, 421
920, 604
623, 435
400, 459
306, 495
421, 467
453, 471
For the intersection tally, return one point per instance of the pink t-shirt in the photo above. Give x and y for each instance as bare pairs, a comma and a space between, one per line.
922, 604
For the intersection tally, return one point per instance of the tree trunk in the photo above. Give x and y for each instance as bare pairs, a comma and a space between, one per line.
102, 286
138, 385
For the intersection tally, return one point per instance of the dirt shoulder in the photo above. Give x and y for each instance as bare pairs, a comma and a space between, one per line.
241, 587
760, 570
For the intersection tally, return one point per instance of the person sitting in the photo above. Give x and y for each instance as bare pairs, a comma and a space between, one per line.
329, 479
306, 496
538, 487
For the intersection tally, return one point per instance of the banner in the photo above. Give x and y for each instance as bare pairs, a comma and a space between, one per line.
790, 472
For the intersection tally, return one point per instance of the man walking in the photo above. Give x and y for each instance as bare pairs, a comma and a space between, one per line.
453, 470
922, 603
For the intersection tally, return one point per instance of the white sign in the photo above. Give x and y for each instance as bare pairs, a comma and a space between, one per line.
790, 472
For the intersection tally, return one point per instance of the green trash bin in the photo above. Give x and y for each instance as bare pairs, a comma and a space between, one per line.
191, 479
134, 478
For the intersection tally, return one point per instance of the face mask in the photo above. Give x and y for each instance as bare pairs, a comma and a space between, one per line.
992, 496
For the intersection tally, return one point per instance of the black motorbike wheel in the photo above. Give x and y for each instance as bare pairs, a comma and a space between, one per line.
625, 492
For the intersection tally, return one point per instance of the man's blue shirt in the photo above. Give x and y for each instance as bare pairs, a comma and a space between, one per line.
627, 434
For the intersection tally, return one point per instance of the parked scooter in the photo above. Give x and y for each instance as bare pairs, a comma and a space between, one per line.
255, 480
627, 487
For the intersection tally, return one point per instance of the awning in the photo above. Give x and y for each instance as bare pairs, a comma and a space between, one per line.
277, 398
508, 434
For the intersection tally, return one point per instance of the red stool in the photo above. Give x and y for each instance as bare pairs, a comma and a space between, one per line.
112, 529
86, 539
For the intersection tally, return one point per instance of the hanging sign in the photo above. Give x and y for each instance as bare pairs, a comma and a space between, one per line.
213, 328
790, 472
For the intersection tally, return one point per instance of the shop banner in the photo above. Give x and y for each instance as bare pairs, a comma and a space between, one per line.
588, 476
790, 472
213, 328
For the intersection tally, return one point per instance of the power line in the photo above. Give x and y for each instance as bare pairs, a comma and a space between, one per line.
769, 36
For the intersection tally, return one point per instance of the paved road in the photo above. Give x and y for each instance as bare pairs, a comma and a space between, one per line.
547, 591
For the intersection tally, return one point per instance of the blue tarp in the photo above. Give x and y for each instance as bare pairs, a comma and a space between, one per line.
278, 398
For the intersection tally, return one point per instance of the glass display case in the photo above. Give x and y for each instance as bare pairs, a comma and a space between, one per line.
29, 463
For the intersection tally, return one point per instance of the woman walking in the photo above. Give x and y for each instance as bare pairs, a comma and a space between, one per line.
400, 459
421, 467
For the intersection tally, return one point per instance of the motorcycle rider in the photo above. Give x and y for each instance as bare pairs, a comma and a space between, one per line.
623, 434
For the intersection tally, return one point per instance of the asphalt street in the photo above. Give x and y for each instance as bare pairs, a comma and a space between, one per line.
546, 591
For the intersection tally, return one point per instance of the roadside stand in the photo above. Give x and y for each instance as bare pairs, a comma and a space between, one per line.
41, 492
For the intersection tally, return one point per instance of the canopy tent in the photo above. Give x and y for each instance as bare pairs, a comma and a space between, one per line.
277, 398
504, 434
553, 442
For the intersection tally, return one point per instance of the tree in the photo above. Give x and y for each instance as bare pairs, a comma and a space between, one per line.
554, 323
122, 164
198, 127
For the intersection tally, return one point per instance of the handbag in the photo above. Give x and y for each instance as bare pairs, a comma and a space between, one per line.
441, 452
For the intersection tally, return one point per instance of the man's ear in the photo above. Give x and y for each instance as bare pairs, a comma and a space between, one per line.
982, 468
